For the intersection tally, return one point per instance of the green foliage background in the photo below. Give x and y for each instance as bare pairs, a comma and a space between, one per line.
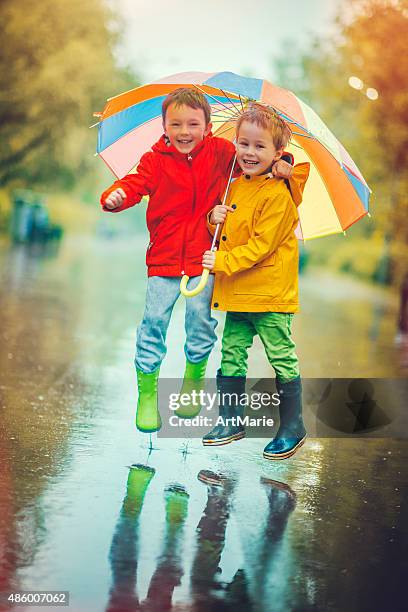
57, 67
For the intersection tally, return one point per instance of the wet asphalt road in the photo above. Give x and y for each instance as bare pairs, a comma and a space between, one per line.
325, 530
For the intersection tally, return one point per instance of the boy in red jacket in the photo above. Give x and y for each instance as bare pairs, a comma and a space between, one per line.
184, 176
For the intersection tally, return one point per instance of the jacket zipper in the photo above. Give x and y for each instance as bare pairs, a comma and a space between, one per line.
183, 249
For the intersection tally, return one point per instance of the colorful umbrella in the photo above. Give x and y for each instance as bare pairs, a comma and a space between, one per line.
336, 194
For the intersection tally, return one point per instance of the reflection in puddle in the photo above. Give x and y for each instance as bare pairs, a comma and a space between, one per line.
207, 590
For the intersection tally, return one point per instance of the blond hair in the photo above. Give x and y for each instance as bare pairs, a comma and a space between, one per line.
268, 119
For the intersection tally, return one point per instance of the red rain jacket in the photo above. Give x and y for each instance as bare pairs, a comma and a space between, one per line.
182, 189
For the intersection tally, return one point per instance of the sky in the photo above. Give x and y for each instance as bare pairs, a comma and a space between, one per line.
162, 37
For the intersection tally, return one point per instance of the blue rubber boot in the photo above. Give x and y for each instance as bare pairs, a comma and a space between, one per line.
230, 390
291, 433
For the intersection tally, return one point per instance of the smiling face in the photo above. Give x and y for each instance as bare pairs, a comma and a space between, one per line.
185, 126
256, 151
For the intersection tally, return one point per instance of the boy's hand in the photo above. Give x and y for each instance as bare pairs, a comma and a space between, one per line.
281, 169
219, 213
209, 260
115, 199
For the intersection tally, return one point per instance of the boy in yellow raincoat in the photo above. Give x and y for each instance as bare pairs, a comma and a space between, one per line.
256, 282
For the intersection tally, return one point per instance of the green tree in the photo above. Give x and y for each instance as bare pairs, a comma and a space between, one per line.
57, 67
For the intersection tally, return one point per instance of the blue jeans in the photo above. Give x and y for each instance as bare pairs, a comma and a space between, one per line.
162, 294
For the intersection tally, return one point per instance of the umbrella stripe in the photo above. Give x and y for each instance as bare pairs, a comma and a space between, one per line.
318, 217
133, 96
351, 166
117, 155
284, 101
116, 126
345, 198
249, 87
320, 131
362, 189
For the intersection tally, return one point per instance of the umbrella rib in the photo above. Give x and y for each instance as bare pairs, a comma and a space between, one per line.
293, 143
228, 120
303, 135
232, 102
220, 114
223, 131
222, 110
225, 117
288, 119
299, 125
213, 97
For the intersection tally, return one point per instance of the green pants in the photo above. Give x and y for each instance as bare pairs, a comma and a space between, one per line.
273, 328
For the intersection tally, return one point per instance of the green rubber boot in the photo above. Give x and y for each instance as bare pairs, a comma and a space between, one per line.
138, 480
194, 380
176, 506
147, 416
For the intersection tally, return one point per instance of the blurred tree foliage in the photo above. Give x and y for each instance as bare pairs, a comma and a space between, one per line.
56, 68
370, 43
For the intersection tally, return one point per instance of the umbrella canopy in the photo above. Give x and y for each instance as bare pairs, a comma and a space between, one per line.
336, 194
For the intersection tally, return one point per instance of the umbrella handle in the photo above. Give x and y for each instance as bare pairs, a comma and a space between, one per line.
206, 272
191, 293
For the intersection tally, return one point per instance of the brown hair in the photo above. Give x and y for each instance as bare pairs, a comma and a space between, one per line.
188, 97
268, 119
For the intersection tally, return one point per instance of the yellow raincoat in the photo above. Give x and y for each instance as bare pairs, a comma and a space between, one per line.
257, 261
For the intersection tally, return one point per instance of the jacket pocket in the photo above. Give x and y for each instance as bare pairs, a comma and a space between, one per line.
262, 279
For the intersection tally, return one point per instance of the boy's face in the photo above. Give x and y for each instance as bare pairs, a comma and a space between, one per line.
255, 149
185, 127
